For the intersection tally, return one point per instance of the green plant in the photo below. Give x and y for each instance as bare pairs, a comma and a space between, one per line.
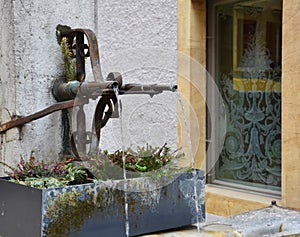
69, 63
46, 175
157, 161
143, 161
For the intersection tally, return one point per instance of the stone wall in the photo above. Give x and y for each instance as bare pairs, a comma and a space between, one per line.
290, 104
30, 58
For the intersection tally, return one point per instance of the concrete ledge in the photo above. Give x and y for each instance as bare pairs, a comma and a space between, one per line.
270, 221
226, 202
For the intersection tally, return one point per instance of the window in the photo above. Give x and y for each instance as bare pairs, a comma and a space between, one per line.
244, 58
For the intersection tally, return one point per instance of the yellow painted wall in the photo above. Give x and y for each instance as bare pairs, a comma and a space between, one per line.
192, 86
291, 104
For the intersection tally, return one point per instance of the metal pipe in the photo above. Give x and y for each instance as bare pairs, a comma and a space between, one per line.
68, 90
88, 88
151, 89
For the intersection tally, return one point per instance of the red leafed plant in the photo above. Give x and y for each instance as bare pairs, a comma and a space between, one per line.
42, 174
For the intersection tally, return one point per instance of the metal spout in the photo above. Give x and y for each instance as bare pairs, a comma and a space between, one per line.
151, 89
63, 91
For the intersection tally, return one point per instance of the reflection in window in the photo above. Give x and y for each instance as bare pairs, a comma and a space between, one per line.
248, 73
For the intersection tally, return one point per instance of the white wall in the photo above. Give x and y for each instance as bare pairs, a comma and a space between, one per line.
30, 58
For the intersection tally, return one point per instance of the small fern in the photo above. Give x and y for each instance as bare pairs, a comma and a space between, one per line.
69, 63
145, 161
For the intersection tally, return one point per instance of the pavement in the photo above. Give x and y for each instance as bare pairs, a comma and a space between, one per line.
273, 221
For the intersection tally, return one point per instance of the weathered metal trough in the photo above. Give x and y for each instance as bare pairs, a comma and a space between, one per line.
97, 209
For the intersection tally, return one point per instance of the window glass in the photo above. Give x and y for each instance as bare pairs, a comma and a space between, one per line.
247, 69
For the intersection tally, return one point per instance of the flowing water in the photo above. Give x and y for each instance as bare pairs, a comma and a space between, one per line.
116, 91
198, 211
189, 140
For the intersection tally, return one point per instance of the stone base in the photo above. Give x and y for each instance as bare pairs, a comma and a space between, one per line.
269, 221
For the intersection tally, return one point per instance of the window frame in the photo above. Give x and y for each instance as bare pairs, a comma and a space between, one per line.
211, 100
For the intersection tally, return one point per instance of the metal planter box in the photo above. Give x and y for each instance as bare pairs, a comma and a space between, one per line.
98, 209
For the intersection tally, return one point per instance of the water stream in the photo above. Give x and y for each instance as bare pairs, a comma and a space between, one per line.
189, 140
116, 91
194, 196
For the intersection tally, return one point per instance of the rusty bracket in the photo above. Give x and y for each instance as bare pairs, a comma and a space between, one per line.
18, 122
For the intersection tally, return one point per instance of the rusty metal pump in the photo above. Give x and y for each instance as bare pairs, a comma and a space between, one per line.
66, 92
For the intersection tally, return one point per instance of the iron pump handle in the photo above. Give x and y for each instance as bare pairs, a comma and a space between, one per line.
64, 91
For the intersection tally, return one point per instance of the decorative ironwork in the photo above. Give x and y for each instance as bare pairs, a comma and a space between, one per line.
253, 11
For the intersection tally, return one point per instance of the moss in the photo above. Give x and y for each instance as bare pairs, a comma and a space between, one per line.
67, 212
69, 208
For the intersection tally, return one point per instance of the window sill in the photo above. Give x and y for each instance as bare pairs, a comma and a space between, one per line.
226, 202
